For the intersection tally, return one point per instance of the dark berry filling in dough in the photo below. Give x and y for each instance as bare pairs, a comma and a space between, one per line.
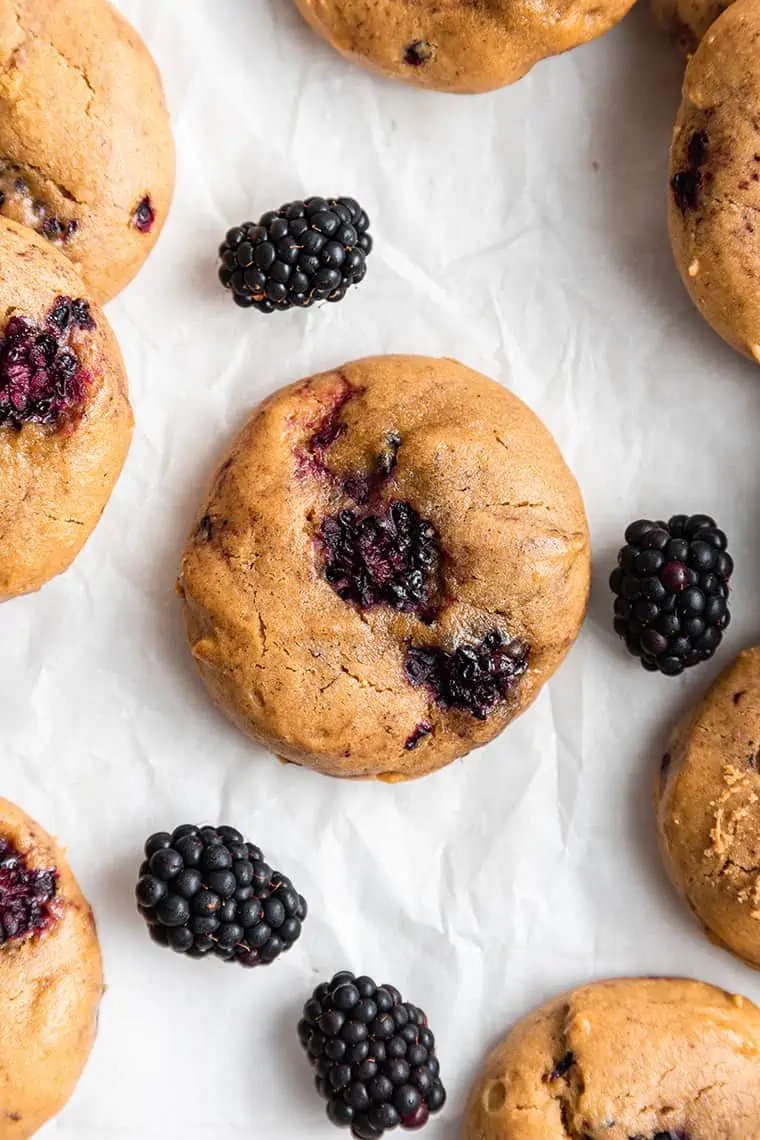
18, 200
389, 558
144, 215
25, 896
475, 678
423, 729
687, 184
41, 375
418, 53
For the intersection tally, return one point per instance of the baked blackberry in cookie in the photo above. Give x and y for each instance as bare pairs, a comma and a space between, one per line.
65, 418
86, 151
457, 45
708, 808
714, 193
50, 976
392, 560
630, 1059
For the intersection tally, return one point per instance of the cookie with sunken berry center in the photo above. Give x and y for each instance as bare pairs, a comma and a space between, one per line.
629, 1059
50, 976
392, 560
86, 150
65, 417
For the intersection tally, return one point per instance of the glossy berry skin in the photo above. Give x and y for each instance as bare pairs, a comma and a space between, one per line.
292, 257
671, 588
374, 1056
474, 678
206, 891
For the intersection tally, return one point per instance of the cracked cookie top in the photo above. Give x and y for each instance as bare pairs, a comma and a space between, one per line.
392, 560
708, 800
95, 177
630, 1059
65, 419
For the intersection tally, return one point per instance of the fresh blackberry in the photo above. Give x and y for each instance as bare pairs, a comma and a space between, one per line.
389, 558
671, 586
374, 1056
475, 678
205, 890
304, 252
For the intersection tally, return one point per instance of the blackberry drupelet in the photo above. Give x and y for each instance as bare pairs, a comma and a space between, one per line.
671, 586
475, 678
205, 890
26, 896
304, 252
374, 1056
389, 558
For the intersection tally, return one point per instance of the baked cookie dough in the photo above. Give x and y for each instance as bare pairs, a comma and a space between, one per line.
458, 45
687, 21
632, 1059
65, 419
708, 803
86, 151
392, 560
51, 978
714, 199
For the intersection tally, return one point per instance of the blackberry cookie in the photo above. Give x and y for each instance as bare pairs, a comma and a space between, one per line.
457, 45
392, 560
687, 21
708, 803
715, 178
50, 977
65, 419
631, 1059
86, 151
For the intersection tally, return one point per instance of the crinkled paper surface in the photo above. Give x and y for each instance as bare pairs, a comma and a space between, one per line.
524, 233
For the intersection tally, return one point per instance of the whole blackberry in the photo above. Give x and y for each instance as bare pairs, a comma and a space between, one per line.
671, 587
374, 1056
205, 890
304, 252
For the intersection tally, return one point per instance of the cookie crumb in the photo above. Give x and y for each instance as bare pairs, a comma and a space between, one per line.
694, 267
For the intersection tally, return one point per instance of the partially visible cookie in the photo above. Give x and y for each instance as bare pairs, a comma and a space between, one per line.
458, 45
86, 151
714, 200
631, 1059
65, 418
392, 560
687, 21
708, 804
51, 977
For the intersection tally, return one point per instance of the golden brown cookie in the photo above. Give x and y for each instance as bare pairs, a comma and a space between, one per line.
464, 46
51, 979
65, 419
714, 199
631, 1059
686, 21
86, 151
392, 560
708, 803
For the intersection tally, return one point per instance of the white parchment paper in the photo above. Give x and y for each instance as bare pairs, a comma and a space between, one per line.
522, 232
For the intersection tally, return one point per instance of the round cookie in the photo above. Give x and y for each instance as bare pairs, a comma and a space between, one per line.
708, 805
715, 178
392, 560
65, 419
51, 978
687, 21
457, 45
631, 1059
86, 151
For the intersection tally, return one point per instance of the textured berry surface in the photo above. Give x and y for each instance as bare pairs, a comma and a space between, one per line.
388, 558
475, 678
41, 376
205, 890
292, 257
374, 1056
671, 589
16, 195
25, 896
